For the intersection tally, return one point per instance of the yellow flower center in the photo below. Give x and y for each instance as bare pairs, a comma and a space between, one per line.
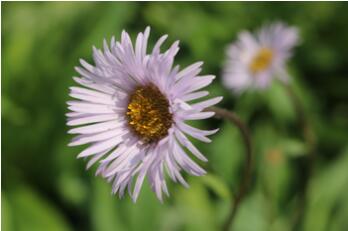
261, 61
148, 113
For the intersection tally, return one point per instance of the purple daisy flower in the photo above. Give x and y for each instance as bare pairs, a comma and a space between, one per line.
254, 60
131, 108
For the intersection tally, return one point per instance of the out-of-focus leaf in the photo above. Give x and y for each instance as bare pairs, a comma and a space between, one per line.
194, 207
279, 103
294, 147
111, 23
324, 190
280, 223
276, 172
217, 185
338, 219
216, 89
249, 102
13, 112
105, 213
252, 215
31, 211
72, 188
6, 211
146, 213
227, 153
273, 165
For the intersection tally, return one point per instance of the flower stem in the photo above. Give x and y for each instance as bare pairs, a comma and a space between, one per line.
243, 186
308, 165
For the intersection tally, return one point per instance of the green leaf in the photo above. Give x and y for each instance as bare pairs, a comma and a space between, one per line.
194, 207
72, 188
227, 153
280, 223
217, 185
13, 113
70, 183
111, 23
338, 219
324, 191
147, 212
252, 214
105, 213
31, 211
249, 102
6, 210
294, 147
272, 162
279, 103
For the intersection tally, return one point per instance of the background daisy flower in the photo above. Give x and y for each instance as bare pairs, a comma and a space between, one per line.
254, 60
132, 107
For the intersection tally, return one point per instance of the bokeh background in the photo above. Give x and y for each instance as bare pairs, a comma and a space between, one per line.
44, 186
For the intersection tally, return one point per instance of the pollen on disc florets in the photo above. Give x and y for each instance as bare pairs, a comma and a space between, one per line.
148, 113
261, 61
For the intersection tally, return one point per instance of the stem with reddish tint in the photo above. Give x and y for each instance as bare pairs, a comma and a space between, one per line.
238, 197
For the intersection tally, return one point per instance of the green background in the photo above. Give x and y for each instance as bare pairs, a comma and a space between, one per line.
44, 186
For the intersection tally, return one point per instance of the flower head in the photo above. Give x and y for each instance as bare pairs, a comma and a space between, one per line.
254, 60
132, 107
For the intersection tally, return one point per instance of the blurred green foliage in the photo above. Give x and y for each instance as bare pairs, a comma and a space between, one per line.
44, 187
